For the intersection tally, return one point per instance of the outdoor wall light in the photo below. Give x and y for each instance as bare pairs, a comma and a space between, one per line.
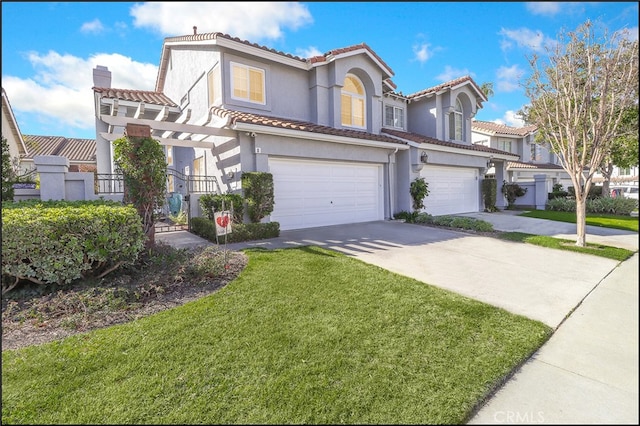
490, 163
424, 157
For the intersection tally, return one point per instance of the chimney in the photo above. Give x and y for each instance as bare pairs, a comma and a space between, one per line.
195, 30
101, 77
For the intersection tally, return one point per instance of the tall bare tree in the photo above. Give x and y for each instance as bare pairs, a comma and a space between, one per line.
578, 93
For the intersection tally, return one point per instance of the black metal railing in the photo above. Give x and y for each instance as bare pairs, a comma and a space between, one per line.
106, 183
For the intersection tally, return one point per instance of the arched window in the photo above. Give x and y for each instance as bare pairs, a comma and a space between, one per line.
455, 122
353, 101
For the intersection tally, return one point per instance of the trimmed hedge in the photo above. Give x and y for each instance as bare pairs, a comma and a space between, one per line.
618, 206
240, 232
60, 241
490, 194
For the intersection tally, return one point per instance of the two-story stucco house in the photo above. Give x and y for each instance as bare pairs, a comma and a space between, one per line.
342, 144
534, 158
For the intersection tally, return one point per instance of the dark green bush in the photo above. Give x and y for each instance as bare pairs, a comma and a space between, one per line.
594, 192
419, 190
408, 217
213, 202
56, 242
240, 232
489, 194
258, 193
512, 191
557, 192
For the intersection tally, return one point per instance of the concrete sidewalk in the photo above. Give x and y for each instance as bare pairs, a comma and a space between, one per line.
587, 373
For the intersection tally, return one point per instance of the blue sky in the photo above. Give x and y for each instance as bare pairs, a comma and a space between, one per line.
49, 49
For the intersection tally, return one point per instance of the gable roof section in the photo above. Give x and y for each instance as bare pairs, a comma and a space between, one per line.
533, 166
495, 129
149, 97
13, 125
76, 150
238, 117
448, 85
350, 50
225, 40
414, 137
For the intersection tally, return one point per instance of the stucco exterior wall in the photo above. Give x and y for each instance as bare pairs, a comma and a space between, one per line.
187, 76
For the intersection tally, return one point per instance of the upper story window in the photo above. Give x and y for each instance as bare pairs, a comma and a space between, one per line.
536, 152
353, 96
504, 145
247, 83
394, 117
213, 86
455, 122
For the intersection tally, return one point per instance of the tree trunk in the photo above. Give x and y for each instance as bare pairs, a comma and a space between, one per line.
581, 216
606, 174
149, 227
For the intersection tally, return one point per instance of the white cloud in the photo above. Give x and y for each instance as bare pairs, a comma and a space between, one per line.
508, 78
246, 20
451, 73
511, 118
524, 38
60, 91
93, 27
549, 8
309, 52
422, 52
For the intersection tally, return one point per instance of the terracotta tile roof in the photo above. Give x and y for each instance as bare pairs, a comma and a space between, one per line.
336, 52
82, 150
414, 137
313, 60
216, 35
149, 97
502, 129
533, 166
445, 85
304, 126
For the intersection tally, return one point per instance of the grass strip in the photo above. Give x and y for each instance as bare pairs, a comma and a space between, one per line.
627, 223
609, 252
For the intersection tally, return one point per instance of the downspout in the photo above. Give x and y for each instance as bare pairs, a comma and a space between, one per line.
389, 181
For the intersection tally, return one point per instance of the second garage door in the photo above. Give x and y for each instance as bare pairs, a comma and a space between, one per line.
451, 190
311, 193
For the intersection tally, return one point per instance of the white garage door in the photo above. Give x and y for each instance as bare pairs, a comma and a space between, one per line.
451, 190
319, 193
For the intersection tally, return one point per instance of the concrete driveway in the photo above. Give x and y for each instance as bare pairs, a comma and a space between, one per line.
536, 282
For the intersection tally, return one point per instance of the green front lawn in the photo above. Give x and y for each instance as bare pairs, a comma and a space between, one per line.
303, 335
628, 223
595, 249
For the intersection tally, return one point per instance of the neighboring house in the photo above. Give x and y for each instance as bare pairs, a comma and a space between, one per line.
11, 131
619, 177
343, 146
535, 158
81, 153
